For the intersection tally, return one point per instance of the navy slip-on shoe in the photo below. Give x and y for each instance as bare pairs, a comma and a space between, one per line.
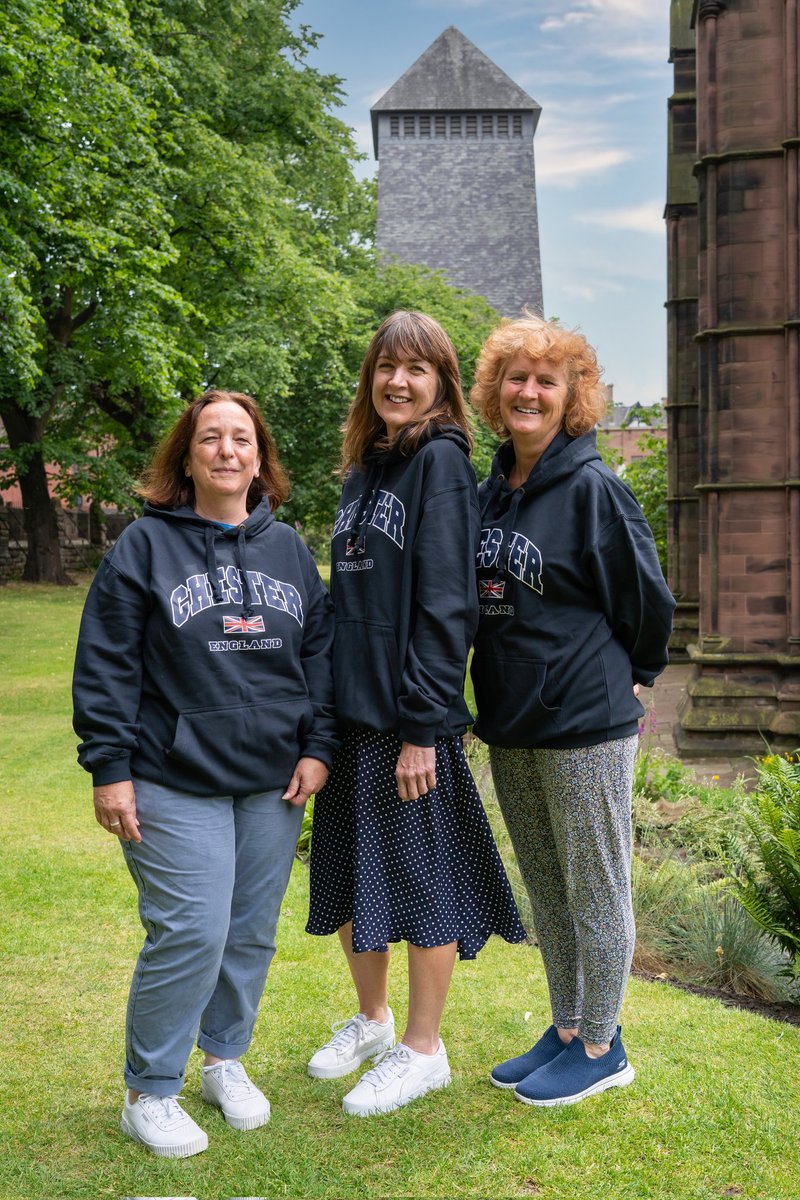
514, 1070
572, 1075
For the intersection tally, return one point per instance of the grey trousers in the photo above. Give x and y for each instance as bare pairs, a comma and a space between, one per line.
568, 814
211, 874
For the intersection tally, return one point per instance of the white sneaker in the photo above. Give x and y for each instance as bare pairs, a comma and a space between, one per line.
227, 1085
402, 1075
160, 1124
353, 1041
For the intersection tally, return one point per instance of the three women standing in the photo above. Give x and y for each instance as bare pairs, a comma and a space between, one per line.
402, 849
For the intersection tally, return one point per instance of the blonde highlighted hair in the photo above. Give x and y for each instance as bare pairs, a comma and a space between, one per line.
165, 482
411, 334
587, 399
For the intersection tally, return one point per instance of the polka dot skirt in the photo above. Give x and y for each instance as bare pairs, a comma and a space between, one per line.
424, 871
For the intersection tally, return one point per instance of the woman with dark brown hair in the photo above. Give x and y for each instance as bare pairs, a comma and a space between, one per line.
203, 698
402, 849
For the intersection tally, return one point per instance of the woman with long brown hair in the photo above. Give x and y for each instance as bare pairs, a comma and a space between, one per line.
402, 849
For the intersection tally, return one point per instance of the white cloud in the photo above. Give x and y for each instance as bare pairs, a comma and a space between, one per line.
642, 218
570, 149
567, 166
571, 18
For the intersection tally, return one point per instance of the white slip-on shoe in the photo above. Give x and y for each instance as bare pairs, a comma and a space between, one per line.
401, 1075
160, 1124
227, 1085
353, 1041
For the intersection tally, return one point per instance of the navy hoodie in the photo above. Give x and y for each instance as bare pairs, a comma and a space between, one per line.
204, 656
574, 606
402, 580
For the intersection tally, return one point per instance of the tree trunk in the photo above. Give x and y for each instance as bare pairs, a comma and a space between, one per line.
43, 563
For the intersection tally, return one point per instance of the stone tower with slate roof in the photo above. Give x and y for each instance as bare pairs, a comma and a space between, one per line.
456, 182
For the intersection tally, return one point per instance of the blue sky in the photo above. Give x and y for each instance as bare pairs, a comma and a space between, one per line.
599, 70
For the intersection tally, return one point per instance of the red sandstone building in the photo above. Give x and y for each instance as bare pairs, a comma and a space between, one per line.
733, 407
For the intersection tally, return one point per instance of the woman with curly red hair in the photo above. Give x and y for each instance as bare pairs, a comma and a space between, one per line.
575, 615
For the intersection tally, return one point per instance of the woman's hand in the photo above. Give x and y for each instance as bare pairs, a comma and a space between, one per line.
115, 809
416, 771
309, 777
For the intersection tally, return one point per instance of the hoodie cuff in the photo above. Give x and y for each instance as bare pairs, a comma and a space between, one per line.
317, 748
113, 770
416, 735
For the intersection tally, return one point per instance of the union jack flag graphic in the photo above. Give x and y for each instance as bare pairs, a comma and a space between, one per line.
491, 588
243, 624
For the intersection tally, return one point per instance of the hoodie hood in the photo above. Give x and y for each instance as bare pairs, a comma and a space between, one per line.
562, 457
211, 531
377, 460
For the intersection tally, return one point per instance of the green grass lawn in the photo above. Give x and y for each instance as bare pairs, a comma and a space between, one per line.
714, 1111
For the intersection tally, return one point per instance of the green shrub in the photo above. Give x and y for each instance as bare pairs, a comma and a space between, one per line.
303, 847
766, 865
663, 890
671, 805
717, 944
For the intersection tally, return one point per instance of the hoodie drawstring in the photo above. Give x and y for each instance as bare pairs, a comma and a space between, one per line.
357, 542
211, 564
240, 557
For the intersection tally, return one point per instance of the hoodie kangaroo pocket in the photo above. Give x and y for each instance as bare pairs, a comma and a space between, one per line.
512, 710
366, 674
252, 748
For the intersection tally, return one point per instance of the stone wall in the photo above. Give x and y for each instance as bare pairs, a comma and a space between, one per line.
83, 539
745, 688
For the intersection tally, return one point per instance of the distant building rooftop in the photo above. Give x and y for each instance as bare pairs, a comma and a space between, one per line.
633, 416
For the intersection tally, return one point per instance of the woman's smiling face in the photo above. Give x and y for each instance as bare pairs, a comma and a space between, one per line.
403, 389
533, 399
223, 455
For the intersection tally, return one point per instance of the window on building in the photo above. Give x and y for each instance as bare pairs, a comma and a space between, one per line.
408, 127
487, 125
456, 127
425, 127
472, 125
517, 124
502, 125
394, 126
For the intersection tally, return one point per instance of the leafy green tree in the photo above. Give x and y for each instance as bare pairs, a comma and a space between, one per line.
647, 476
84, 236
179, 211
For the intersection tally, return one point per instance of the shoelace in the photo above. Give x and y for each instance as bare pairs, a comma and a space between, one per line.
235, 1081
388, 1064
162, 1108
345, 1033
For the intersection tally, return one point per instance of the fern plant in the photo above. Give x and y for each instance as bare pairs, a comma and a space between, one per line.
766, 867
